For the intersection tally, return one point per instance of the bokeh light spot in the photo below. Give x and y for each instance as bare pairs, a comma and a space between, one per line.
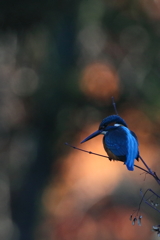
86, 177
100, 82
135, 39
24, 82
152, 8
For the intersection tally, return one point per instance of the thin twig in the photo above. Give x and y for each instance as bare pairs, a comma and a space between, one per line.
142, 200
114, 105
150, 171
82, 150
142, 169
100, 155
146, 200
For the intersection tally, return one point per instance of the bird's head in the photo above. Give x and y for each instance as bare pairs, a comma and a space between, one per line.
106, 124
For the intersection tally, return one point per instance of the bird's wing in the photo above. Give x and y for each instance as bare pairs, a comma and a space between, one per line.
122, 142
116, 141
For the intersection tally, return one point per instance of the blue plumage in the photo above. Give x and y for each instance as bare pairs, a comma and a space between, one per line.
119, 142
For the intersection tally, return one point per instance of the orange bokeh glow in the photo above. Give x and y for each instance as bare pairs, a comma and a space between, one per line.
111, 222
87, 183
152, 8
87, 176
100, 81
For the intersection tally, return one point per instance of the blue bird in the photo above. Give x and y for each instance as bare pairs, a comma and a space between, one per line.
119, 142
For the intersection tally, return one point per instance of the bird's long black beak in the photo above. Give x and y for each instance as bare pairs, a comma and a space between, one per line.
92, 136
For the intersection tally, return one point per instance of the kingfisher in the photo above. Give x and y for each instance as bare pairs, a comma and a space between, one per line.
119, 141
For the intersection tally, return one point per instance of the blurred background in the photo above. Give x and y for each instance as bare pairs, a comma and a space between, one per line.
61, 61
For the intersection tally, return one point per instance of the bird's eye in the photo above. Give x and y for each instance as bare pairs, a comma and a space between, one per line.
101, 127
111, 124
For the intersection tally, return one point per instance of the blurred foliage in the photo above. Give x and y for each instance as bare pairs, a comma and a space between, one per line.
60, 63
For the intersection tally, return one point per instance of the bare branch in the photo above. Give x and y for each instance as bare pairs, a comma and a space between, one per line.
150, 171
100, 155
